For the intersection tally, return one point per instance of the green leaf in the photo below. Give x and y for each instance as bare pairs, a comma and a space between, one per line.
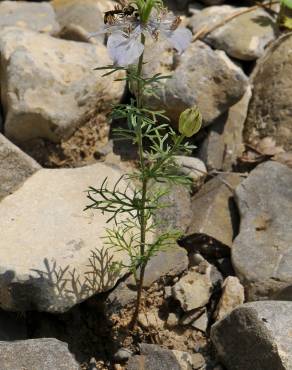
287, 23
287, 3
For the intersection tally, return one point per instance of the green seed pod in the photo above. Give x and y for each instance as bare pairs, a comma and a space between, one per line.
190, 121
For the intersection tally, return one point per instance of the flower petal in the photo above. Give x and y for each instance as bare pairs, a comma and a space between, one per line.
180, 39
124, 50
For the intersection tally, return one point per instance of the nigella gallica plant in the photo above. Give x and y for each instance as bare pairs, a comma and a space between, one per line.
128, 28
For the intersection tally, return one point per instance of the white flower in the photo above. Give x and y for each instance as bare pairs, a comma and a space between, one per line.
124, 43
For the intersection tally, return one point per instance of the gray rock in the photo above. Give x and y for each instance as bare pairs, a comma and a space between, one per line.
40, 354
119, 298
177, 213
201, 323
154, 357
255, 336
189, 317
191, 167
15, 167
269, 111
189, 361
232, 296
40, 75
123, 354
167, 263
244, 37
224, 86
262, 252
194, 289
39, 17
48, 241
214, 214
86, 15
224, 143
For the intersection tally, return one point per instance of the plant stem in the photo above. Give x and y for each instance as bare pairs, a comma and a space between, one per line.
144, 179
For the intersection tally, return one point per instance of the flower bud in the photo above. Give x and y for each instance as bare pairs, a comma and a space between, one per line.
190, 121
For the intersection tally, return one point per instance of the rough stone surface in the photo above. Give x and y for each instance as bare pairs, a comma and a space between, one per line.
214, 213
255, 336
39, 17
224, 143
48, 86
15, 167
167, 263
155, 358
262, 252
47, 239
232, 296
194, 289
201, 323
212, 82
85, 14
40, 354
178, 211
269, 111
244, 37
192, 167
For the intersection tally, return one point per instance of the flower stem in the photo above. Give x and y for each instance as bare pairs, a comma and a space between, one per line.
144, 180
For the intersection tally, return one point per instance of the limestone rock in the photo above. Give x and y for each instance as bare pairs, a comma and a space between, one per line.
232, 296
47, 239
170, 262
84, 14
49, 86
214, 214
154, 357
256, 335
201, 323
244, 37
203, 77
194, 289
15, 167
262, 252
39, 17
192, 167
41, 354
224, 143
269, 112
178, 211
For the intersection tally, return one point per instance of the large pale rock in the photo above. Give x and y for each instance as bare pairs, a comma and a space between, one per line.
244, 37
269, 111
15, 167
232, 296
203, 77
262, 252
39, 17
40, 354
85, 14
48, 86
224, 143
255, 336
47, 240
214, 212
